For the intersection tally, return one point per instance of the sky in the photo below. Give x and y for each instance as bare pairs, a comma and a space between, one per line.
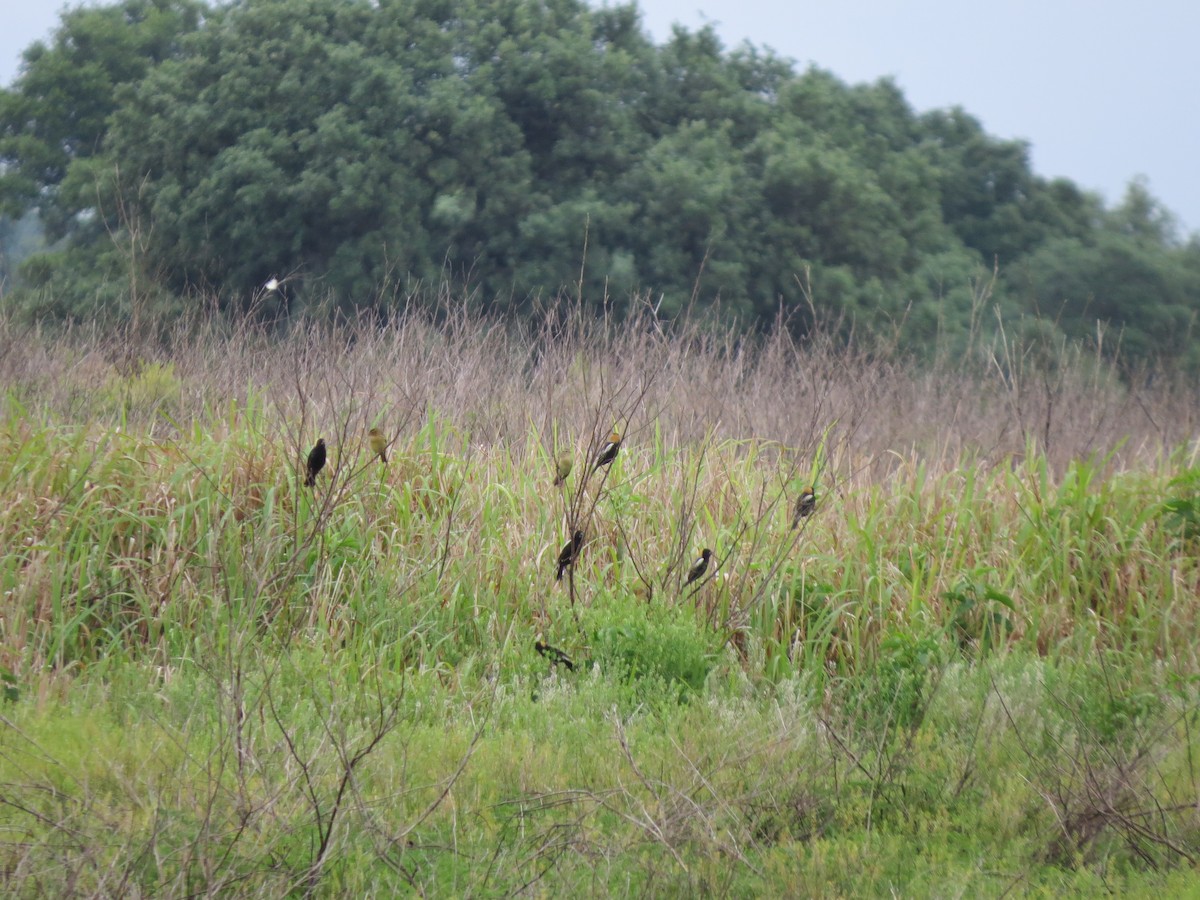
1104, 91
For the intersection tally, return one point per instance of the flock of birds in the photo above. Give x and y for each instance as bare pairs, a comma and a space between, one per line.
564, 462
805, 505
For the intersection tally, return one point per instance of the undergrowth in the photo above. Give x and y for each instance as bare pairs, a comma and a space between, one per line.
973, 665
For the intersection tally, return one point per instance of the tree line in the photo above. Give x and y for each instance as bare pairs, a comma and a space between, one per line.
370, 151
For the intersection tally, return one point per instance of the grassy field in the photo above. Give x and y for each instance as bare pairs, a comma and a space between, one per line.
972, 671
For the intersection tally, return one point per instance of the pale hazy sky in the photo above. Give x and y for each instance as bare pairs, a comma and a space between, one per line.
1103, 90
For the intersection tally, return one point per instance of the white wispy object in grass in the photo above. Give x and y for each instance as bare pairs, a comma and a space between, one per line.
272, 284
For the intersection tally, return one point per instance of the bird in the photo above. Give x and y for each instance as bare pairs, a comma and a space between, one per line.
562, 467
556, 656
609, 452
699, 567
316, 462
378, 443
804, 506
569, 553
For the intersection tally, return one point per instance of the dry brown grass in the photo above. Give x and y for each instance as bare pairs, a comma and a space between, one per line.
680, 382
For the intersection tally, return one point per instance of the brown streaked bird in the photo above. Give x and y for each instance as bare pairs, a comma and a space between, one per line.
315, 463
569, 553
699, 567
556, 656
609, 452
805, 505
378, 444
562, 466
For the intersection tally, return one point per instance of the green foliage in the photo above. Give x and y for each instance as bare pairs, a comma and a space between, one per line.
57, 112
214, 679
897, 689
9, 686
149, 390
1110, 699
982, 616
19, 238
518, 149
1181, 511
663, 650
1142, 292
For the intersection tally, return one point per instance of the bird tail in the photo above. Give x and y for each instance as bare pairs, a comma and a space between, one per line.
310, 480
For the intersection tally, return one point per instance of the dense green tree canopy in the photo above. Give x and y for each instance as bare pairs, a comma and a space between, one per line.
58, 115
519, 147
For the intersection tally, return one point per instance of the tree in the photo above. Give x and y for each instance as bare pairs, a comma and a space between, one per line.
1143, 293
519, 148
56, 114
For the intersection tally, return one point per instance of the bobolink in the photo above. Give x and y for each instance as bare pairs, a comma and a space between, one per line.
316, 462
562, 466
378, 443
804, 506
569, 553
609, 452
699, 567
556, 656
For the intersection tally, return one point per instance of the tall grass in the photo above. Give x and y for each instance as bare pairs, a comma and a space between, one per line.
227, 681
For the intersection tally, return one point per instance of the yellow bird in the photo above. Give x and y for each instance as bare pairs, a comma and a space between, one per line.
378, 443
562, 466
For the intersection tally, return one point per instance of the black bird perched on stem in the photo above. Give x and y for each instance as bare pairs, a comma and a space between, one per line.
609, 452
569, 553
556, 656
316, 462
699, 567
804, 506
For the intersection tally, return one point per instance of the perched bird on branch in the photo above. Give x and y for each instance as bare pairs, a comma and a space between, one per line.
699, 567
609, 451
804, 506
378, 443
562, 466
569, 553
556, 656
316, 462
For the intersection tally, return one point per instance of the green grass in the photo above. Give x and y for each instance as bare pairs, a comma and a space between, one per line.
958, 677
